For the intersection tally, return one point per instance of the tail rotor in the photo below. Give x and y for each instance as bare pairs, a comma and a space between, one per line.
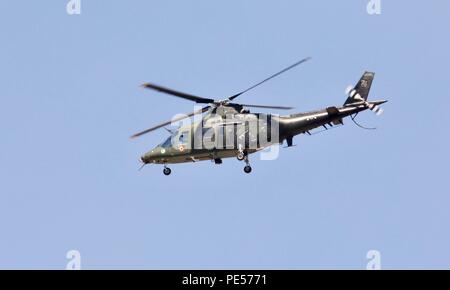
358, 95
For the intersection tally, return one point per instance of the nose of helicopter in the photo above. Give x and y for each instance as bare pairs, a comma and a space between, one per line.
149, 157
153, 156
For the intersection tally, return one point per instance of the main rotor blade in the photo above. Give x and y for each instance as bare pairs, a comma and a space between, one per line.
267, 107
178, 94
202, 110
269, 78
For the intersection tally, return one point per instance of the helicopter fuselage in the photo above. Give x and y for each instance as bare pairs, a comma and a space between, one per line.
226, 133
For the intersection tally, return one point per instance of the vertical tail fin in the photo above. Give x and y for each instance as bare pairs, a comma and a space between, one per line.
360, 92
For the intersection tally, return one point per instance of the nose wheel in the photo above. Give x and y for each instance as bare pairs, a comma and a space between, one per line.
167, 170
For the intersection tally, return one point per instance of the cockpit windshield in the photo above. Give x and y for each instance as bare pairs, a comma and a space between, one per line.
167, 143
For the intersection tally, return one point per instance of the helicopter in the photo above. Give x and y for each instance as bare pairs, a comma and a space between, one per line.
224, 129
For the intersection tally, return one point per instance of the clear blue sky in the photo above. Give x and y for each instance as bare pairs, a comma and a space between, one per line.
70, 98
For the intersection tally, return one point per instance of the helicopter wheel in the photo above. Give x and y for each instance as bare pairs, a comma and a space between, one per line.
167, 171
247, 169
240, 156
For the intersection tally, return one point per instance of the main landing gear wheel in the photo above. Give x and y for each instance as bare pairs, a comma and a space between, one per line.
167, 171
247, 168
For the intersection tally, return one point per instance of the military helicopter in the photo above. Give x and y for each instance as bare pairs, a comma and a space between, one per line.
225, 129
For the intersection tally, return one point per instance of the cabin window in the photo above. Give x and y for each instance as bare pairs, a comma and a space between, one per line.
184, 137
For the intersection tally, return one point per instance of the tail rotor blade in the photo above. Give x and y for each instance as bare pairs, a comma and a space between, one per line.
376, 109
374, 106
